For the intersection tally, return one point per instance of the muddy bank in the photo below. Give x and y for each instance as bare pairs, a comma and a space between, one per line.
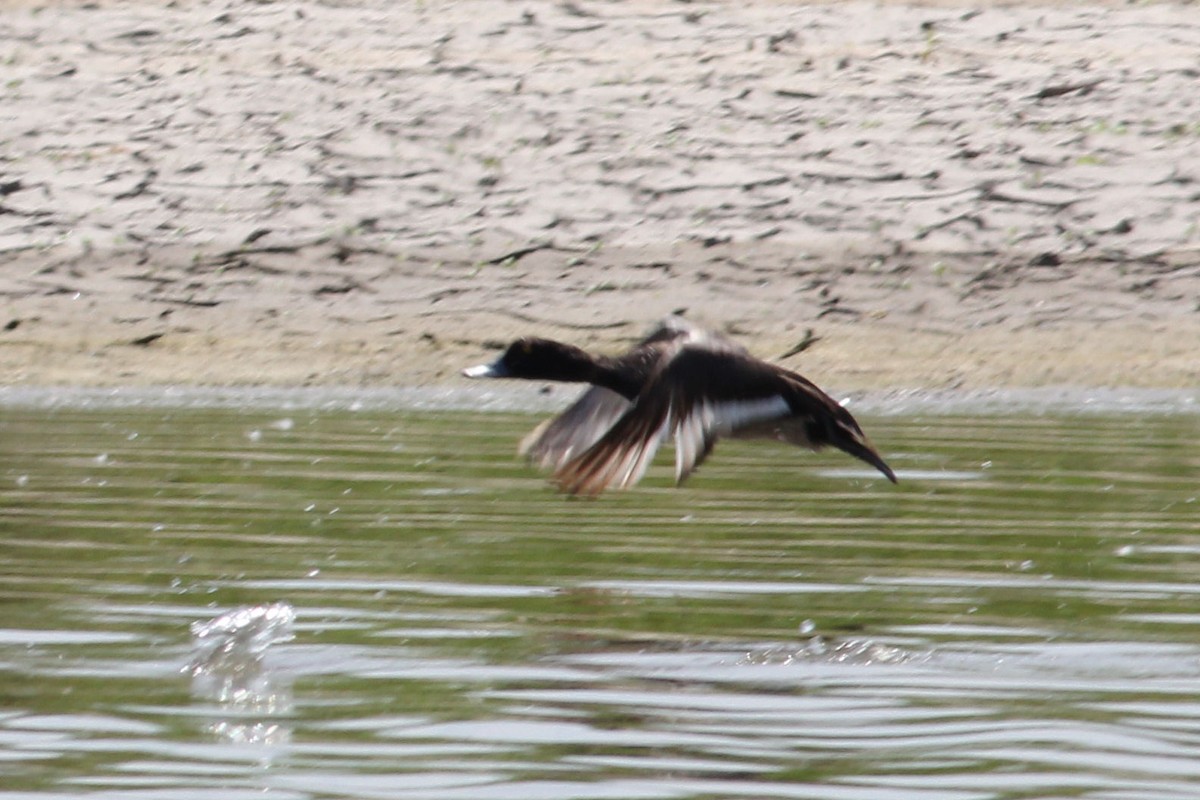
373, 194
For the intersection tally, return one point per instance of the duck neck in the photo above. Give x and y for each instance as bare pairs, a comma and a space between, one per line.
614, 374
570, 364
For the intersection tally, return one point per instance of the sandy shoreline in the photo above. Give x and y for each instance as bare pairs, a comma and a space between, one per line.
284, 194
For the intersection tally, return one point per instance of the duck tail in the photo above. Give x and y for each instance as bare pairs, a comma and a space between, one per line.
851, 440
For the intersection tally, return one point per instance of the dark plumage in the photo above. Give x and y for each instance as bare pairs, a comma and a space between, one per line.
551, 444
680, 381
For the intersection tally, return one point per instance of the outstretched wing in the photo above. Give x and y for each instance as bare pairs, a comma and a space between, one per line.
556, 441
695, 398
620, 458
700, 395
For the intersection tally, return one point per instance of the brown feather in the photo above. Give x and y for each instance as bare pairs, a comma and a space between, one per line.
696, 396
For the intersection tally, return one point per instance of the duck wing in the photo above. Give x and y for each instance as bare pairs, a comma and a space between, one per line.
620, 457
698, 396
818, 421
555, 441
812, 418
679, 331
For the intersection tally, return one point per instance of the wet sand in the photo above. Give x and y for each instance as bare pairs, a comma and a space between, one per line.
282, 193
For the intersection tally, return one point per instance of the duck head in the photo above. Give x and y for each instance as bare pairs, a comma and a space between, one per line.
538, 359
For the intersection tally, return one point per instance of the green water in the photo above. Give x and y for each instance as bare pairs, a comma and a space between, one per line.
1017, 619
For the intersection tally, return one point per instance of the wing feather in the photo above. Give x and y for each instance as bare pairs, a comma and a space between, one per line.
620, 458
558, 440
694, 439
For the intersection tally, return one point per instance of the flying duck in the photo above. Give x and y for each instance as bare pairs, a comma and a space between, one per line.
680, 381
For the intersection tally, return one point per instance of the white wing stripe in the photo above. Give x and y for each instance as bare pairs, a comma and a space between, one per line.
646, 455
691, 435
729, 415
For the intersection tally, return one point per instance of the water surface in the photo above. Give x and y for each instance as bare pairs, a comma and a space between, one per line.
328, 603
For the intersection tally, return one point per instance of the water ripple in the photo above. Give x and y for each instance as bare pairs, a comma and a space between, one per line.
308, 601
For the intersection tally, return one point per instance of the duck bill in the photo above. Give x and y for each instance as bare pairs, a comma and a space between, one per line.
494, 370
